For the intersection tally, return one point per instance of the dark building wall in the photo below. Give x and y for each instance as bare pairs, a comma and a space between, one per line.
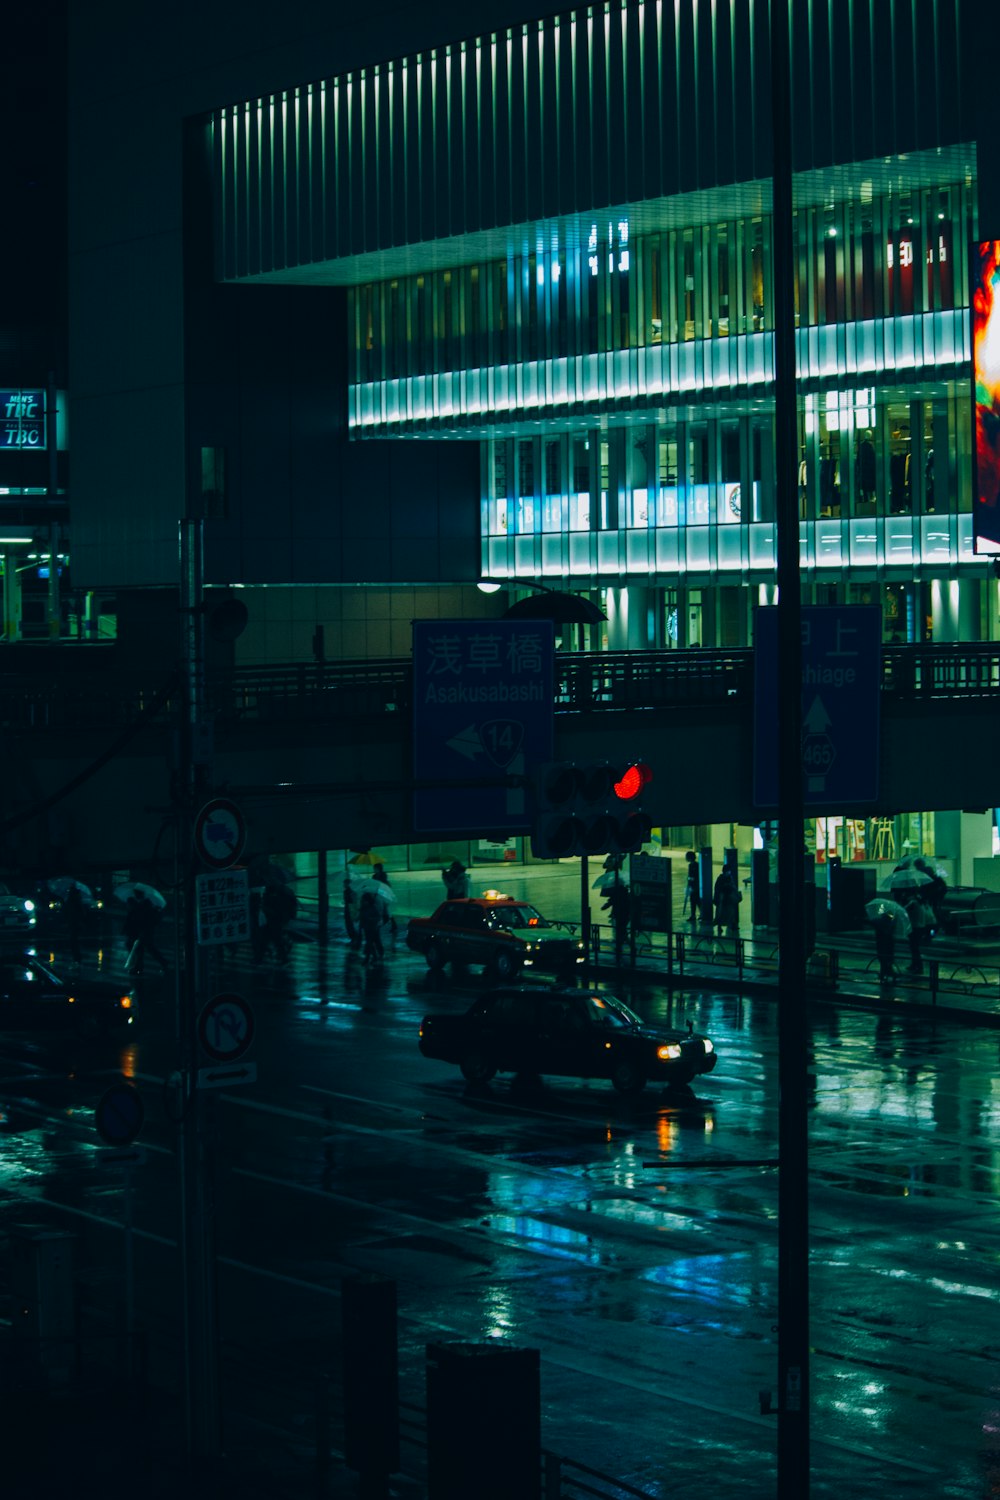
135, 76
302, 505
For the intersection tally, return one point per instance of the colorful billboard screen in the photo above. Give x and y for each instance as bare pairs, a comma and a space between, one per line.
985, 302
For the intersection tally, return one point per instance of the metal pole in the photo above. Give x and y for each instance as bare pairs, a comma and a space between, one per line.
53, 612
584, 904
323, 893
793, 1150
129, 1272
201, 1373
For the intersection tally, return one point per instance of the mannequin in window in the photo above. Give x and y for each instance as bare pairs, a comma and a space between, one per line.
803, 485
864, 469
898, 465
829, 493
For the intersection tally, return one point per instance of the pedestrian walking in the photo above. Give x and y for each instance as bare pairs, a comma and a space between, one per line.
142, 920
456, 880
350, 924
279, 905
73, 908
727, 903
618, 903
885, 946
258, 923
370, 917
691, 898
921, 917
378, 873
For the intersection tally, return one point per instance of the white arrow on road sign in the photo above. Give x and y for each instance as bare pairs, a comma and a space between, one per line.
466, 742
817, 720
227, 1078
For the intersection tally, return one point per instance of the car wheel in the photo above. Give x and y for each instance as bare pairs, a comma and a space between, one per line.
505, 966
434, 956
628, 1079
477, 1067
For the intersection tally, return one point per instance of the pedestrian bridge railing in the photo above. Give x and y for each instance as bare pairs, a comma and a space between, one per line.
101, 695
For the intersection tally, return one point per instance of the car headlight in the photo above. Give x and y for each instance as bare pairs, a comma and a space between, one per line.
29, 906
665, 1053
707, 1044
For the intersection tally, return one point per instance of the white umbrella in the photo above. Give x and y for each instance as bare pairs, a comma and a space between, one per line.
921, 863
382, 891
908, 878
882, 906
139, 888
609, 878
63, 884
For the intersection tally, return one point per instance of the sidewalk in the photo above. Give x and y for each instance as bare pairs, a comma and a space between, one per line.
959, 987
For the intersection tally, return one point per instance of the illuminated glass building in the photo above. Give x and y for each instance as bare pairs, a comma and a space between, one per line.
400, 302
555, 240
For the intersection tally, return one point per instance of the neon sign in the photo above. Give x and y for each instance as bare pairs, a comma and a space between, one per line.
22, 419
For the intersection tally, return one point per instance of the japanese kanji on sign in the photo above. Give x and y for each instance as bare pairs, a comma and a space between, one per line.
223, 907
482, 714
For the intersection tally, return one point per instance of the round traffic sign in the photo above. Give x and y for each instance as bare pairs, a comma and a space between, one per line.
226, 1028
119, 1114
220, 833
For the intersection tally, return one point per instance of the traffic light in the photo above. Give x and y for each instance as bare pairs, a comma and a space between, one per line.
589, 809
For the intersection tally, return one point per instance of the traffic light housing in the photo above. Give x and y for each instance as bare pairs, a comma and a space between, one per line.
593, 808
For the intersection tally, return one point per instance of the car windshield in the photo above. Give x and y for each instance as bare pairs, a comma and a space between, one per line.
607, 1011
515, 915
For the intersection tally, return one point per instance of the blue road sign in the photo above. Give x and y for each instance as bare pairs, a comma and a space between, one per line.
119, 1114
841, 684
482, 711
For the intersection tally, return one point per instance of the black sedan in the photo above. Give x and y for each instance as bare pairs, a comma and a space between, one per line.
574, 1033
34, 997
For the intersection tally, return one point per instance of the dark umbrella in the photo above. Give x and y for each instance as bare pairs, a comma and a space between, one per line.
562, 609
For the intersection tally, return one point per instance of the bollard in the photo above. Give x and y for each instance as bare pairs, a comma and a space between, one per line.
371, 1378
680, 954
933, 967
483, 1422
739, 959
323, 1428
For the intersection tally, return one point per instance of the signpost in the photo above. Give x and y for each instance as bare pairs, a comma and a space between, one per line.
841, 684
482, 716
226, 1028
220, 834
223, 907
652, 893
119, 1117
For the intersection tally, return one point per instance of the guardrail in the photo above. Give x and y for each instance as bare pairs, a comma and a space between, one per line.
584, 683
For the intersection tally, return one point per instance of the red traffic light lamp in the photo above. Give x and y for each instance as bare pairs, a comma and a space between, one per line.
632, 782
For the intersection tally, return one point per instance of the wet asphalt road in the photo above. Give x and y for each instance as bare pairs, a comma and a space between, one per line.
633, 1242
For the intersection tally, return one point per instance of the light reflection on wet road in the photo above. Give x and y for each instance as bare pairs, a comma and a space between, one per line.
633, 1242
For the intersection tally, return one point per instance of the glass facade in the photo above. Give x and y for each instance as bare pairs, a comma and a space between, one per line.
619, 380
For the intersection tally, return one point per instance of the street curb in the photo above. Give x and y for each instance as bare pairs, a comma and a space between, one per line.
877, 1003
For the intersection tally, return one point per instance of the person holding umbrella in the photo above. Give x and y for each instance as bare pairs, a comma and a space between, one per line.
378, 873
888, 920
144, 919
73, 909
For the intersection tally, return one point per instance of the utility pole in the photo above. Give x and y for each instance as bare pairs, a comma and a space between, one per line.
202, 1406
793, 1117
